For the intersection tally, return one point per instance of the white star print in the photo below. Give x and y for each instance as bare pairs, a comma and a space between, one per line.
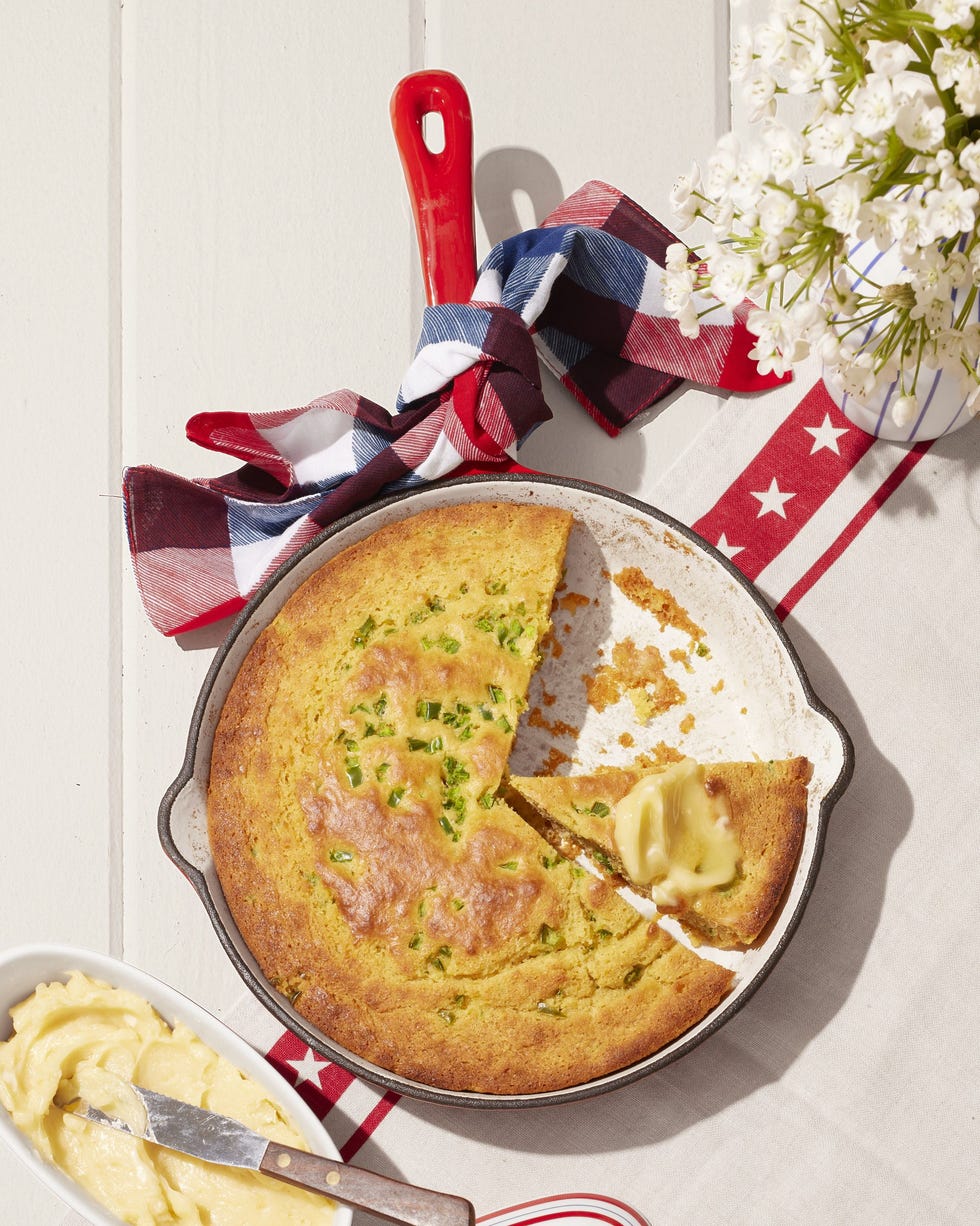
728, 550
772, 499
308, 1068
825, 435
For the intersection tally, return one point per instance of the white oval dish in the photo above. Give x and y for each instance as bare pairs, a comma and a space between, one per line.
23, 968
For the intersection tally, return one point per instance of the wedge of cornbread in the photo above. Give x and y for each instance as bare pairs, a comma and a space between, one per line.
766, 804
382, 884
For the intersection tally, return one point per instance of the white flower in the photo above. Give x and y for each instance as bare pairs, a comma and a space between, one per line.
970, 160
778, 346
829, 94
828, 348
750, 174
857, 375
731, 276
957, 269
740, 59
808, 319
842, 292
949, 63
687, 319
771, 44
677, 257
721, 216
677, 286
916, 232
785, 149
971, 343
808, 65
679, 279
875, 107
967, 88
904, 410
946, 349
777, 211
889, 58
919, 125
946, 13
831, 140
883, 221
760, 93
683, 196
931, 287
951, 210
721, 167
844, 202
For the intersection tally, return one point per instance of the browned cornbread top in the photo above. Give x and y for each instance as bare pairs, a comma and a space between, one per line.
768, 803
369, 865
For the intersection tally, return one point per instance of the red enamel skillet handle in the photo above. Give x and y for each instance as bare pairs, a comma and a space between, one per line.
440, 185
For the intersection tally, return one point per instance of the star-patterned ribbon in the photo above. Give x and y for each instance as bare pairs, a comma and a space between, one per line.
808, 481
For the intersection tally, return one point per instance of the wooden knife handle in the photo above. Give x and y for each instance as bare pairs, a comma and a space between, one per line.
386, 1198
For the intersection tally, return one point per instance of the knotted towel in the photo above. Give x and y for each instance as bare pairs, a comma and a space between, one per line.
581, 292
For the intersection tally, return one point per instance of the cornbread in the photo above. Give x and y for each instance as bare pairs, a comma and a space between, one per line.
85, 1038
765, 805
375, 873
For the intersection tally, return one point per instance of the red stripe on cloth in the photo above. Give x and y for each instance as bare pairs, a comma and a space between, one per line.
334, 1080
368, 1126
218, 613
859, 521
175, 582
656, 341
798, 469
591, 205
236, 434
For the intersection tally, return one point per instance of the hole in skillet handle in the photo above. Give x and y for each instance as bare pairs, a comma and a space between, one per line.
439, 181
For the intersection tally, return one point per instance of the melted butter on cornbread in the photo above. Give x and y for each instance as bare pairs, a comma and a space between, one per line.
84, 1038
767, 804
674, 836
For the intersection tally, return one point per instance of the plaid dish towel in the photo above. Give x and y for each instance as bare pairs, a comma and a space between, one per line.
582, 293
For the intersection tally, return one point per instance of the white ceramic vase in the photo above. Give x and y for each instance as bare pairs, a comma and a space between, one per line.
941, 397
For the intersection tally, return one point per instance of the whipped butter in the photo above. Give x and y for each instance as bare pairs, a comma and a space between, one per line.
86, 1039
673, 836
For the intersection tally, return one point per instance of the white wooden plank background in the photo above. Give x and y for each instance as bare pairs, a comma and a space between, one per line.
202, 208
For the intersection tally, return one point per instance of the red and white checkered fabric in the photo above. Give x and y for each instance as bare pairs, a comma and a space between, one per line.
581, 292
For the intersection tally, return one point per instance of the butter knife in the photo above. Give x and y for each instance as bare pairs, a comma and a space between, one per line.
216, 1138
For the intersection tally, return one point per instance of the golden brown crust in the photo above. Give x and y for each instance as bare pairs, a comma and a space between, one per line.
768, 802
408, 912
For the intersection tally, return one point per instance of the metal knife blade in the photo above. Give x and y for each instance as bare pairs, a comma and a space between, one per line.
189, 1129
216, 1138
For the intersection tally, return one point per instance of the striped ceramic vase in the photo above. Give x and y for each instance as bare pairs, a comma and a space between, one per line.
941, 396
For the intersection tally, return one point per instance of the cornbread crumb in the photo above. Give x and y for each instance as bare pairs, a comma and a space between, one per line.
634, 584
638, 673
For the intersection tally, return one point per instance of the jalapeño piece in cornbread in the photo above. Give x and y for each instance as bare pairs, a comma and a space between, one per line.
378, 878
